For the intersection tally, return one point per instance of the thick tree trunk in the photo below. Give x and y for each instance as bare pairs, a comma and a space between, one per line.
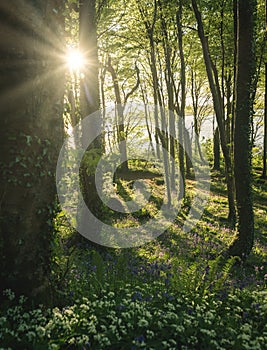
89, 103
242, 136
90, 96
235, 68
31, 107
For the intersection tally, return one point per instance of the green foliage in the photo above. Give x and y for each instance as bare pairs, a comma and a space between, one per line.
30, 163
199, 280
173, 293
139, 318
90, 160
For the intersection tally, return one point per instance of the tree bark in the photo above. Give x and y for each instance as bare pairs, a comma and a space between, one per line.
31, 107
264, 157
89, 103
170, 142
242, 135
121, 137
160, 136
219, 112
90, 96
216, 150
181, 120
188, 154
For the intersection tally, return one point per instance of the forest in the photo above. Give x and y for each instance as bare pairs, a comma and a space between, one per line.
133, 191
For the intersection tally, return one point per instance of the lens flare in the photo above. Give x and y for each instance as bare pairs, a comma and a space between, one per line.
75, 60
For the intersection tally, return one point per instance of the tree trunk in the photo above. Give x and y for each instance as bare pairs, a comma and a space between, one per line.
90, 97
219, 111
31, 107
89, 103
216, 150
234, 73
188, 156
195, 103
160, 136
264, 158
121, 137
242, 136
181, 120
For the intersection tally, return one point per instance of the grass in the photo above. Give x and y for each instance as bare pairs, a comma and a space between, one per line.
175, 292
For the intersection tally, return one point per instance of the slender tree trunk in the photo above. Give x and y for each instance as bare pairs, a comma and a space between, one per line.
145, 102
188, 156
153, 67
264, 158
229, 109
155, 94
216, 150
158, 101
242, 137
170, 91
219, 111
181, 120
121, 137
31, 108
195, 102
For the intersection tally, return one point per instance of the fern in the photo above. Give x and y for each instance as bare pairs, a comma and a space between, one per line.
197, 282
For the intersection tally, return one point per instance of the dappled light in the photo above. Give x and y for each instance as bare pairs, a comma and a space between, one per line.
133, 193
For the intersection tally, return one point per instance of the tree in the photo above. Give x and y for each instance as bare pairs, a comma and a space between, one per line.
120, 106
264, 170
31, 107
159, 114
216, 92
181, 120
89, 103
216, 150
90, 100
264, 157
242, 133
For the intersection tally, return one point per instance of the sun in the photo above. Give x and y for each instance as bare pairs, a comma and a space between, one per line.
75, 60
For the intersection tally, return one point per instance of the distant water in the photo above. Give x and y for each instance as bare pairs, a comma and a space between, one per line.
209, 124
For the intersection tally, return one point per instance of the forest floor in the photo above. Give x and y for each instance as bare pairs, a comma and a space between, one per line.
175, 292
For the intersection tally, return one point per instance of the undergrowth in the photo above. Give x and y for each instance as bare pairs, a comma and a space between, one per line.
176, 292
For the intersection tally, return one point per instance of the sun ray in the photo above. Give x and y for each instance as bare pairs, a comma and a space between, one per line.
75, 60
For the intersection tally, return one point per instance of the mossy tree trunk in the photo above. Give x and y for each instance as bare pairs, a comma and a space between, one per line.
242, 133
264, 158
31, 107
89, 104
